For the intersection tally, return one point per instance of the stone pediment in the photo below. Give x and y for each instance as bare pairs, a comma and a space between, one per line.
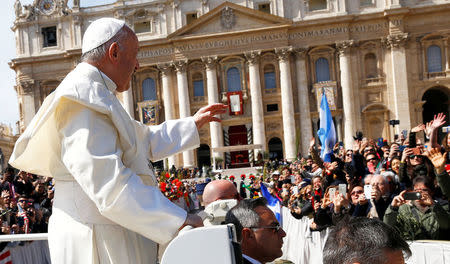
228, 18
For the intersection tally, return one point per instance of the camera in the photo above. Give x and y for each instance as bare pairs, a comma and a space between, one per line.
394, 122
412, 196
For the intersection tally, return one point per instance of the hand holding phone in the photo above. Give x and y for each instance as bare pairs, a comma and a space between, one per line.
332, 194
368, 191
343, 189
412, 196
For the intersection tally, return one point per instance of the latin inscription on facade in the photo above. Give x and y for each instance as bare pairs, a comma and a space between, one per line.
240, 41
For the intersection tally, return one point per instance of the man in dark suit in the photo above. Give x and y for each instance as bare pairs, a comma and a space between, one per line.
258, 231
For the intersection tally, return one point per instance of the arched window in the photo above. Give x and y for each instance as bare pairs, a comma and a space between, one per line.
233, 79
434, 60
269, 77
370, 64
149, 90
197, 80
322, 70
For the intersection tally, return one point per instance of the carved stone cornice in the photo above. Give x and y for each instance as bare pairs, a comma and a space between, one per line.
165, 69
343, 47
180, 66
397, 40
253, 57
210, 62
300, 53
283, 53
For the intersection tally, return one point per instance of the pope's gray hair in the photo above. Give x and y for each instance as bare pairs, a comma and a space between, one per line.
98, 53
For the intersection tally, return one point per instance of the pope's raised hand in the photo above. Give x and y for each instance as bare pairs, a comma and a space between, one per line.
207, 114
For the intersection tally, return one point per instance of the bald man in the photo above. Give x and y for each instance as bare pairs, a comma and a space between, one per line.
220, 190
219, 197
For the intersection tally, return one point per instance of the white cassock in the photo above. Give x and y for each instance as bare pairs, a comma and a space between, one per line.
107, 206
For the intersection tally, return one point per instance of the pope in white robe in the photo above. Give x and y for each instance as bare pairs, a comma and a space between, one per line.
107, 206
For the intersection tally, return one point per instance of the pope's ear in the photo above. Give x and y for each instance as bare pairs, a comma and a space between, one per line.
113, 52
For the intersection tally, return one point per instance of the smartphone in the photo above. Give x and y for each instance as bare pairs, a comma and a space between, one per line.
295, 190
332, 193
343, 189
368, 191
417, 151
404, 133
412, 196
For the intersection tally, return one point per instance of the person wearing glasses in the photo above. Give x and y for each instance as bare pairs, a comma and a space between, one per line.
258, 231
413, 165
423, 218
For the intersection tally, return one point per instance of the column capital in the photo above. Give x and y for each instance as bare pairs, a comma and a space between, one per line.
210, 62
396, 40
344, 46
180, 66
300, 53
253, 56
25, 87
165, 68
283, 53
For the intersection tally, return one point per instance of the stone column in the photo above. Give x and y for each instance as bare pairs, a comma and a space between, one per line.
166, 75
400, 80
184, 105
347, 91
26, 91
303, 100
287, 102
339, 129
213, 97
259, 134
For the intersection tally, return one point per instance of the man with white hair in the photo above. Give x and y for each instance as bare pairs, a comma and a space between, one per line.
107, 206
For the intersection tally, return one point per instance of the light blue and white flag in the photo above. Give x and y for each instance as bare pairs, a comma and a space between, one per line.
273, 203
326, 133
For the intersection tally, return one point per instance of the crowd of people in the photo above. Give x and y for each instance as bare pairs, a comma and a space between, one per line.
403, 183
25, 202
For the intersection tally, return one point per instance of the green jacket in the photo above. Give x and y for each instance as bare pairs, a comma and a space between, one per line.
443, 180
412, 224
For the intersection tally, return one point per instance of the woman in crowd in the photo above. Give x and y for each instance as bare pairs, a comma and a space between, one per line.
421, 217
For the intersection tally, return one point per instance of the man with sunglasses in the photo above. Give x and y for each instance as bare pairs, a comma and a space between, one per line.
258, 231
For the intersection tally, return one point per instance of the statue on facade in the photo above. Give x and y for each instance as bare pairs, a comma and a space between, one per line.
18, 9
61, 5
29, 12
76, 3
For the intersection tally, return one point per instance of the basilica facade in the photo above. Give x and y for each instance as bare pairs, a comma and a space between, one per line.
268, 60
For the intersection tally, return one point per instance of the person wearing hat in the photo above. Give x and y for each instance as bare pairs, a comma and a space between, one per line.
107, 205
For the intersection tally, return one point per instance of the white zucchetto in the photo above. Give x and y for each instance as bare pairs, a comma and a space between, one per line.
99, 32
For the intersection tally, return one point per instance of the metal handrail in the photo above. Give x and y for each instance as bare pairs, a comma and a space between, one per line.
24, 237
